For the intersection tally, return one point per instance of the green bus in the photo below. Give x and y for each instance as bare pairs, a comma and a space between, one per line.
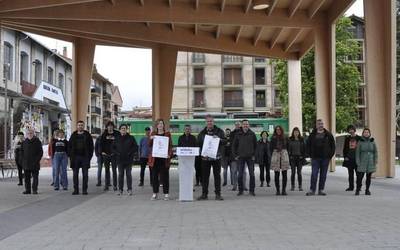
176, 126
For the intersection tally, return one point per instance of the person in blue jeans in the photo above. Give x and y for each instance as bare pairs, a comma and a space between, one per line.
144, 152
321, 149
60, 160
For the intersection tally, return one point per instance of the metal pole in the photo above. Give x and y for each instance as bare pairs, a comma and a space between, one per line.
6, 68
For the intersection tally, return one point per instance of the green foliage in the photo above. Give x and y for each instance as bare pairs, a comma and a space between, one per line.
347, 80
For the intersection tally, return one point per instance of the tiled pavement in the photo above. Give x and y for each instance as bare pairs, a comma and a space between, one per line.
58, 220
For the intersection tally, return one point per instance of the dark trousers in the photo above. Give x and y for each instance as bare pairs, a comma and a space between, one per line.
318, 165
143, 164
83, 163
197, 166
351, 169
124, 169
284, 180
360, 176
34, 174
206, 169
20, 173
250, 164
160, 171
296, 166
107, 160
265, 168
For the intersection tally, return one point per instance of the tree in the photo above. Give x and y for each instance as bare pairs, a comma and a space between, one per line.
347, 80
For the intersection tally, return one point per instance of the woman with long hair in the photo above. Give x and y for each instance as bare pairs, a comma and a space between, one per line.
160, 166
297, 155
263, 158
279, 158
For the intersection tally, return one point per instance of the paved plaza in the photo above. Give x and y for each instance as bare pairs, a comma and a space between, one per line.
58, 220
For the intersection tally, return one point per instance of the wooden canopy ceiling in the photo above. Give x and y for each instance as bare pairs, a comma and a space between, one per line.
284, 30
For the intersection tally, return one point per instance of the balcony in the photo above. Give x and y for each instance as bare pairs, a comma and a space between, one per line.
95, 110
95, 90
107, 114
233, 103
198, 58
260, 103
232, 59
106, 96
259, 60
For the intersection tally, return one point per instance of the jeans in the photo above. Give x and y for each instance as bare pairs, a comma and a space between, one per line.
296, 166
60, 161
235, 175
318, 165
34, 174
122, 170
143, 164
160, 170
107, 160
265, 168
206, 169
360, 176
250, 165
99, 169
81, 162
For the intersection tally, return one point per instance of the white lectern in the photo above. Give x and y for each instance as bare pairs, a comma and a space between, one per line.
186, 156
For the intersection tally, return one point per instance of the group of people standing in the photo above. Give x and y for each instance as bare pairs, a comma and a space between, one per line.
237, 150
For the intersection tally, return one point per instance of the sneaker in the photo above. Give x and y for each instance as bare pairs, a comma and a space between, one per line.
234, 189
240, 193
141, 184
349, 189
84, 193
292, 189
154, 197
75, 193
65, 189
130, 192
52, 184
120, 193
35, 192
218, 197
166, 197
252, 194
56, 189
26, 192
277, 192
268, 185
19, 184
246, 189
261, 184
367, 192
310, 193
321, 193
202, 197
224, 184
300, 189
357, 192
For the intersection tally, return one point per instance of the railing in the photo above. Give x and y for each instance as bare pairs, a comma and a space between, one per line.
96, 110
199, 104
232, 59
259, 60
233, 103
95, 90
198, 58
106, 96
260, 103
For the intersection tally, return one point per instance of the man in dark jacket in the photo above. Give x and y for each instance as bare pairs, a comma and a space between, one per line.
31, 152
81, 152
18, 156
244, 148
235, 163
99, 160
208, 162
321, 148
349, 154
187, 139
106, 148
125, 149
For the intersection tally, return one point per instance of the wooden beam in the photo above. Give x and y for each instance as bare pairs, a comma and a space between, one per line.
315, 6
223, 5
141, 2
307, 44
218, 32
257, 35
197, 4
172, 26
293, 7
196, 29
248, 6
112, 2
147, 24
182, 12
275, 38
18, 5
237, 37
182, 37
338, 9
292, 39
272, 7
170, 3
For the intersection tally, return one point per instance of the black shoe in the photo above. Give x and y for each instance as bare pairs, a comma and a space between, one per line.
357, 192
310, 193
240, 193
234, 189
98, 184
197, 184
349, 189
262, 184
56, 189
268, 185
52, 184
141, 184
321, 193
367, 192
218, 197
300, 189
84, 193
292, 189
35, 192
20, 184
252, 194
224, 184
115, 189
284, 192
246, 189
75, 193
202, 197
106, 189
26, 192
278, 192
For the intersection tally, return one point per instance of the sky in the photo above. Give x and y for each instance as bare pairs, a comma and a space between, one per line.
130, 68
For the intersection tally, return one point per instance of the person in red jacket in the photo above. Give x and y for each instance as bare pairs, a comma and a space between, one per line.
160, 166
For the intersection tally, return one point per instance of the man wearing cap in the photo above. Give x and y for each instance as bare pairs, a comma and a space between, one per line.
144, 154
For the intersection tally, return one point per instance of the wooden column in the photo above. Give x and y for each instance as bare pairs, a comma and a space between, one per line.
295, 97
83, 55
380, 35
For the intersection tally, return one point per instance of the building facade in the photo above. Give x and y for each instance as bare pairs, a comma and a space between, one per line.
224, 85
37, 82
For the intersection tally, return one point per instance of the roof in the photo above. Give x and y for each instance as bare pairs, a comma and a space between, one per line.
284, 30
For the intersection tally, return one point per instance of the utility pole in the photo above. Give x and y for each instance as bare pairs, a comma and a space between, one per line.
6, 114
